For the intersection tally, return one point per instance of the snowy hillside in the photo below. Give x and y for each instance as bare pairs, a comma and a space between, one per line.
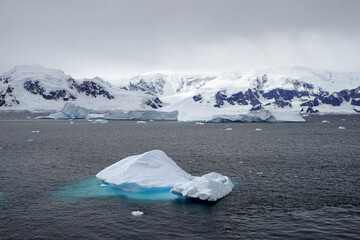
292, 88
38, 88
295, 89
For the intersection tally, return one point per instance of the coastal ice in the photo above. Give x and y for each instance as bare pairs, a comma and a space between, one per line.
137, 213
69, 111
142, 115
154, 169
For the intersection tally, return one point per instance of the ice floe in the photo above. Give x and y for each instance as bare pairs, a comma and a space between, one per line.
325, 121
342, 128
210, 187
154, 169
137, 213
258, 129
228, 129
100, 121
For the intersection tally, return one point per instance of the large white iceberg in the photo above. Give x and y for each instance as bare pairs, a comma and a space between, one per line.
142, 115
150, 169
69, 111
154, 169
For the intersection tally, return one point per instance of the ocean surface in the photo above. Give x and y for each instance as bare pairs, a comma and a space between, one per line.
292, 180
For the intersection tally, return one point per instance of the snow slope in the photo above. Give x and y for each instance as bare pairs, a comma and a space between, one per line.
37, 88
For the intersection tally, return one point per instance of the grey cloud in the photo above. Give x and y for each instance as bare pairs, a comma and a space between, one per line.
114, 39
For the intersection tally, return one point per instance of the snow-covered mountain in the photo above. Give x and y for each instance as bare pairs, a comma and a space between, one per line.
38, 88
291, 88
287, 88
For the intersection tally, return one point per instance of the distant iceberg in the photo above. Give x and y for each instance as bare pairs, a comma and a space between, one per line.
154, 169
142, 115
69, 111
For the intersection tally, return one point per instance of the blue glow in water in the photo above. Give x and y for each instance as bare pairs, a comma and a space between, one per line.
94, 187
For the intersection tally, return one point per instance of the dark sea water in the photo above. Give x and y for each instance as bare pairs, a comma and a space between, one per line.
292, 180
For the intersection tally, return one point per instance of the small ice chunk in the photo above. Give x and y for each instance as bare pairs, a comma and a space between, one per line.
325, 121
210, 187
71, 122
199, 123
258, 129
30, 140
140, 122
36, 131
137, 213
342, 127
0, 148
102, 185
343, 119
28, 117
100, 121
228, 129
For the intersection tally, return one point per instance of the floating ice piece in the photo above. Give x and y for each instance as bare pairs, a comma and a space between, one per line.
228, 129
0, 148
102, 185
325, 121
137, 213
140, 122
30, 140
342, 127
148, 170
69, 111
142, 115
200, 123
28, 117
258, 129
71, 122
37, 131
100, 121
210, 187
154, 169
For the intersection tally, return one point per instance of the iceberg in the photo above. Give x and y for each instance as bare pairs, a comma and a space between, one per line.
154, 170
142, 115
210, 187
69, 111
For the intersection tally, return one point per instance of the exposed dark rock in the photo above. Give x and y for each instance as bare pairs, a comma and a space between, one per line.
90, 88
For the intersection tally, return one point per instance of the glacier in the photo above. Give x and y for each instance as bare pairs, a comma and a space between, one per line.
154, 170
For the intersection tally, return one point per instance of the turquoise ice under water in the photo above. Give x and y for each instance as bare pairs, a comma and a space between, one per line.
94, 187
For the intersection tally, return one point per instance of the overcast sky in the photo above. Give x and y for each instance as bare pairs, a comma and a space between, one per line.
118, 39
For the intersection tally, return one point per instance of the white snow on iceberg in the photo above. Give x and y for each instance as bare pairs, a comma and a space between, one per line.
148, 170
154, 169
69, 111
